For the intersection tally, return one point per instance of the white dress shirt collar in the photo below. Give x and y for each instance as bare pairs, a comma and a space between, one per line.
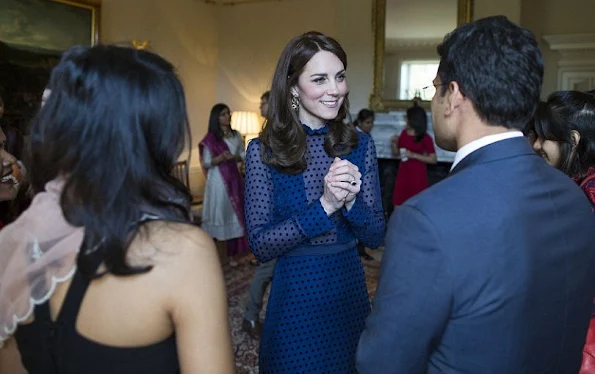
469, 148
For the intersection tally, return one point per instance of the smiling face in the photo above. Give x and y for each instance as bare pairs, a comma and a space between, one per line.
549, 150
321, 89
8, 182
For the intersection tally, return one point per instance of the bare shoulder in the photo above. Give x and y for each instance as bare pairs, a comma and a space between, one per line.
181, 235
173, 248
186, 268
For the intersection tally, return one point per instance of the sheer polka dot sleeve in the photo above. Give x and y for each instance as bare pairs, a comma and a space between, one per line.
366, 217
270, 238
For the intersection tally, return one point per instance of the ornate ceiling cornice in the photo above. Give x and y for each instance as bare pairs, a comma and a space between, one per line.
574, 49
565, 42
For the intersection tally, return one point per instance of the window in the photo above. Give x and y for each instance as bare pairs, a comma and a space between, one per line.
414, 76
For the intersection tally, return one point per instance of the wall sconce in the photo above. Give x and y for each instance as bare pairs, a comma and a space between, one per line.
247, 123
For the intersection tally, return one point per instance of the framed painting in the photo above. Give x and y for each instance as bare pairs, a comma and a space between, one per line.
33, 35
48, 25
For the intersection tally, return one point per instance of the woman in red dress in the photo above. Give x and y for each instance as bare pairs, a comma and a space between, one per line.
416, 149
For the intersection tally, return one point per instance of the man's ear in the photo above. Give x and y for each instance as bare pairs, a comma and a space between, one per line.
454, 97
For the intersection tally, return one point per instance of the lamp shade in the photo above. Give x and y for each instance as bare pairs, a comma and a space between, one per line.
245, 122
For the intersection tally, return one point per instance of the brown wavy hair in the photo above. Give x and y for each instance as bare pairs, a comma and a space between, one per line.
283, 136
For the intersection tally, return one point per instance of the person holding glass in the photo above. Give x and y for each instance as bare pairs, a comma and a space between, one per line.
415, 149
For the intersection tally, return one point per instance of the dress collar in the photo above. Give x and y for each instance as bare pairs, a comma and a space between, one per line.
321, 131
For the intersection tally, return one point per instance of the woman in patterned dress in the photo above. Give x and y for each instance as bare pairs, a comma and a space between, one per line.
312, 191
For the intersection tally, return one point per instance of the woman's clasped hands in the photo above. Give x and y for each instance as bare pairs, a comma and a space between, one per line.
341, 185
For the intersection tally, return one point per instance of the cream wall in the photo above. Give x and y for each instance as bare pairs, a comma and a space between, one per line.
509, 8
186, 33
357, 38
544, 17
550, 17
252, 37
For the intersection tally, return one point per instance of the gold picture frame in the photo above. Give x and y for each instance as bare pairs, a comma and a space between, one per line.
49, 26
33, 36
377, 102
94, 8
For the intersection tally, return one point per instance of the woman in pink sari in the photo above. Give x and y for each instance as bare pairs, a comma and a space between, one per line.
223, 210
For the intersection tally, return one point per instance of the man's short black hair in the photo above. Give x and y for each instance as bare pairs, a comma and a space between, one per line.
498, 66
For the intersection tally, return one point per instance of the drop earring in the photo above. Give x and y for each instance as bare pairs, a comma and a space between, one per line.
295, 102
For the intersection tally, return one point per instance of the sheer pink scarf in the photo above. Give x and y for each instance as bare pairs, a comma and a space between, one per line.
37, 251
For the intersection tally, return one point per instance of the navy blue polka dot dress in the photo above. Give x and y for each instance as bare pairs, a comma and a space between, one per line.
318, 301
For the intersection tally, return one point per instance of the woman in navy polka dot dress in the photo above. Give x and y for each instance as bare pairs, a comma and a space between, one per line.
312, 190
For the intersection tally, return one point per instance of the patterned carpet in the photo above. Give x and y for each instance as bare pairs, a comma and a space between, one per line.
238, 281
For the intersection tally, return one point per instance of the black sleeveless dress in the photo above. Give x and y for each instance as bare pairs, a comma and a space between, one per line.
55, 347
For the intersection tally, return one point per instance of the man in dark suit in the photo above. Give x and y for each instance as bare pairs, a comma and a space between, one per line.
492, 270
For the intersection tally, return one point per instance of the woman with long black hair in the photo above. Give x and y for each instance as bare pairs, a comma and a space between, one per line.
105, 273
